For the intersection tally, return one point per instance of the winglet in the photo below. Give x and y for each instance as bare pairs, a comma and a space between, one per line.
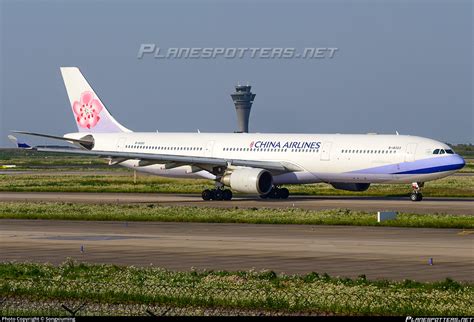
19, 144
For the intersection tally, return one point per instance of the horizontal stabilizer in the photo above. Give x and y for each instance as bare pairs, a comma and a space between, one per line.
54, 137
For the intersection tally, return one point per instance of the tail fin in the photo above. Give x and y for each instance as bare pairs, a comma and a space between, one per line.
89, 112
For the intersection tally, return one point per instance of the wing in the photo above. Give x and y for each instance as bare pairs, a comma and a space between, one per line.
213, 165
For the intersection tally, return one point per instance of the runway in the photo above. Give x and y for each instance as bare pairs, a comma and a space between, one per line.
428, 205
378, 252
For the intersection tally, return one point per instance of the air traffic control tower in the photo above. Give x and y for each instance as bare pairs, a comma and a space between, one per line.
243, 99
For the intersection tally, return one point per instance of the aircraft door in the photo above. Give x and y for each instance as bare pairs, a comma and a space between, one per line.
326, 151
410, 153
121, 144
209, 149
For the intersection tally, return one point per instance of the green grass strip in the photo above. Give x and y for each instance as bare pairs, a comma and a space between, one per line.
263, 290
153, 212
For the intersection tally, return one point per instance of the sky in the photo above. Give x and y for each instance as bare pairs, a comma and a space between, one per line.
403, 66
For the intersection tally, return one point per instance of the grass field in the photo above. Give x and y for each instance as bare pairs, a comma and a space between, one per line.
469, 167
454, 186
151, 212
29, 159
98, 285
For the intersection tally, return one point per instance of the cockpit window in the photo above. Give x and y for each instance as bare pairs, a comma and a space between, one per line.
436, 151
449, 151
441, 151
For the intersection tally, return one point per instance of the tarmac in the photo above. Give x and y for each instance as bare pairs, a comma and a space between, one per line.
348, 251
454, 206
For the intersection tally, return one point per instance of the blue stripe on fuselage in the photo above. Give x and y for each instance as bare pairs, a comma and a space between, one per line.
422, 166
449, 167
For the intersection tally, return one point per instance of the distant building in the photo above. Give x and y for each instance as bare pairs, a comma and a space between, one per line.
243, 99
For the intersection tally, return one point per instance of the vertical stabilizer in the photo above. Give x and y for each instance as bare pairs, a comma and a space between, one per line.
89, 113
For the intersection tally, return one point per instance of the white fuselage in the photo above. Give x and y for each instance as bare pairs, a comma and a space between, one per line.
328, 158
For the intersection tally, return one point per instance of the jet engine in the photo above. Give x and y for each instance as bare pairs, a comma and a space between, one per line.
249, 180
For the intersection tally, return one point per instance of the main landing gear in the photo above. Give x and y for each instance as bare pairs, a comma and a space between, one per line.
416, 195
276, 193
217, 194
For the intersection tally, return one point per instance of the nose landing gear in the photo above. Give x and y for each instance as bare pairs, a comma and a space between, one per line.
416, 195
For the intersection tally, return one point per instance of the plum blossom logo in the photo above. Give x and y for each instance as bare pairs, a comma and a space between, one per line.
252, 144
87, 110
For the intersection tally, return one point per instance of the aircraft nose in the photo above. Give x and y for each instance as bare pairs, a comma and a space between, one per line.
462, 162
457, 162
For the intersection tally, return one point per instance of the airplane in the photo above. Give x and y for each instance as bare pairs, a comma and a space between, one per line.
252, 163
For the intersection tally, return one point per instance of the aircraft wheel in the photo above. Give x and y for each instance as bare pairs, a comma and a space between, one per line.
227, 194
416, 196
207, 195
275, 193
284, 193
218, 194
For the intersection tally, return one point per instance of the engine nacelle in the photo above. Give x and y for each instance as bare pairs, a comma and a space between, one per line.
351, 186
249, 180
